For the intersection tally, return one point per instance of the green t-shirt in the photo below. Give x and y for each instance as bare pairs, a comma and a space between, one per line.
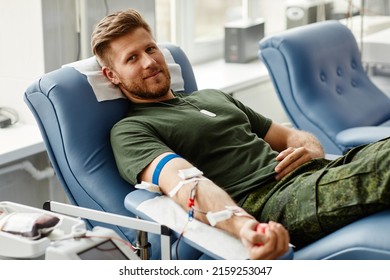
228, 148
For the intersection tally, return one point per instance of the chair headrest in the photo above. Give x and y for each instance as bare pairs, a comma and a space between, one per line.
105, 90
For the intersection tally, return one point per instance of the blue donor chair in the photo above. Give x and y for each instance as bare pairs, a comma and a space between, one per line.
75, 108
75, 121
318, 76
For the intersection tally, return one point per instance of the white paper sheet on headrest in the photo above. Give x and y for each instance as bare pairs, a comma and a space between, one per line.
177, 82
165, 211
105, 90
101, 86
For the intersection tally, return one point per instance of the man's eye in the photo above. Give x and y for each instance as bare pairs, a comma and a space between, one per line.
131, 58
151, 49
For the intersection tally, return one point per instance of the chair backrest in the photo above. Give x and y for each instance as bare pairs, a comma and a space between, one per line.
318, 75
76, 131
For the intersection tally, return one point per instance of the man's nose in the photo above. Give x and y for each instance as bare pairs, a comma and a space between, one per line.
147, 60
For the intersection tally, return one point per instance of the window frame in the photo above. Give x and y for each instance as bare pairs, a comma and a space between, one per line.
183, 30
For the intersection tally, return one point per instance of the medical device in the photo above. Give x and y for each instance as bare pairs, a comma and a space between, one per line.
68, 239
98, 244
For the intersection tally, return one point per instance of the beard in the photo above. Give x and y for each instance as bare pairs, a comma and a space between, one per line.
142, 90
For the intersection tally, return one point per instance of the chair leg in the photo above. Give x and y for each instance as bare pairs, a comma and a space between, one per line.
142, 245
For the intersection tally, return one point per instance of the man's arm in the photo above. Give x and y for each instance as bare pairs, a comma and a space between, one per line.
210, 197
295, 146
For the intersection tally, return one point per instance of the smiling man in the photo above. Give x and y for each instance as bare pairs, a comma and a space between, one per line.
227, 165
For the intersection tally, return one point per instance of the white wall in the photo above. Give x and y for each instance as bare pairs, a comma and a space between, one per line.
38, 36
21, 52
22, 61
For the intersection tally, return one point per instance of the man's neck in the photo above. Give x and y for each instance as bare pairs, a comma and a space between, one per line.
168, 96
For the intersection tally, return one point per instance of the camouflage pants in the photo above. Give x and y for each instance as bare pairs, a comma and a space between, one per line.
322, 196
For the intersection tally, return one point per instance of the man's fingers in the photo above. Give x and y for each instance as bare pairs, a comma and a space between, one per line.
265, 241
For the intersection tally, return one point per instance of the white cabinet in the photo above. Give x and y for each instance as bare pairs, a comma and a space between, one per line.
248, 82
263, 99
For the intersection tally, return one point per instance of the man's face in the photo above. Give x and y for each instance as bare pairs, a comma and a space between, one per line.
138, 67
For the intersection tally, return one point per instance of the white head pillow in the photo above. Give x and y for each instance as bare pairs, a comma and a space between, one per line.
105, 90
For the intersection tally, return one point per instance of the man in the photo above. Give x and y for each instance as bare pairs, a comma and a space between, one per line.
249, 169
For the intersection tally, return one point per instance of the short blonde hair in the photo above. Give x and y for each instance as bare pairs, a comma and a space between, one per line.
114, 26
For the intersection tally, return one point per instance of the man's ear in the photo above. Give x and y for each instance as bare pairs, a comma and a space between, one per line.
110, 75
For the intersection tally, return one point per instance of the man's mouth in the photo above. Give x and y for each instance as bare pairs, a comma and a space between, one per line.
152, 75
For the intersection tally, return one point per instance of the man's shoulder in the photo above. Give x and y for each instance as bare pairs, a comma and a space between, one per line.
125, 123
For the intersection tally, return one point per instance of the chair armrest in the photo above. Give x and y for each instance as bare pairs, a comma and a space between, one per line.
135, 198
356, 136
365, 239
205, 238
332, 156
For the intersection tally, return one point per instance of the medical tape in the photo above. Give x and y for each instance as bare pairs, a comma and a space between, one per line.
160, 166
184, 182
216, 217
188, 175
148, 186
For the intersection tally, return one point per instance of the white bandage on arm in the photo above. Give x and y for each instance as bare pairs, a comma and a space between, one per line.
148, 186
216, 217
189, 175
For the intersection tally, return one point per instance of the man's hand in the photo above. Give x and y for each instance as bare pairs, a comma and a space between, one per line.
295, 148
292, 158
264, 241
